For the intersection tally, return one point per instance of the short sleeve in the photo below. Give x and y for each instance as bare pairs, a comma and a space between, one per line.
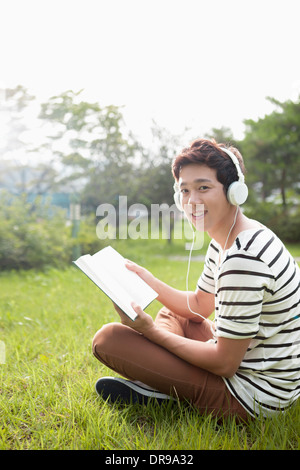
206, 281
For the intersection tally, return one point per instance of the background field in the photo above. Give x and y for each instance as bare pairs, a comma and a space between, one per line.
47, 397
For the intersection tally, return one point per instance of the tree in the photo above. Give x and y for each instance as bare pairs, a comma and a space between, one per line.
13, 104
90, 144
24, 168
272, 146
154, 182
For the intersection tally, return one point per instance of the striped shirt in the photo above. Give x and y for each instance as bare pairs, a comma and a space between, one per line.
257, 295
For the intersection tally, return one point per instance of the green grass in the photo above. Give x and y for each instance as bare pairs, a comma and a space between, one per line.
47, 397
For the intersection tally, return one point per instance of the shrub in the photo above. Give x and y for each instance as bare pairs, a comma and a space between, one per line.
285, 225
32, 235
87, 237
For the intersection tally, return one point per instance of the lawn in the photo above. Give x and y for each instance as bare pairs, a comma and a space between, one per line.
47, 397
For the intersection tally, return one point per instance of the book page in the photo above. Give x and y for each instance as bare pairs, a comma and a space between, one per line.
110, 287
114, 264
108, 271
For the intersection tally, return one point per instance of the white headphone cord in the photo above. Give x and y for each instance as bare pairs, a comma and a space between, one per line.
234, 221
187, 277
235, 217
189, 262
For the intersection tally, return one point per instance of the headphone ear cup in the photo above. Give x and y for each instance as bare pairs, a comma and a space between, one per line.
237, 193
177, 200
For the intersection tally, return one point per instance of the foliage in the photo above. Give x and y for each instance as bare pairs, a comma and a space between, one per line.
87, 238
272, 216
32, 235
272, 147
90, 141
153, 180
16, 101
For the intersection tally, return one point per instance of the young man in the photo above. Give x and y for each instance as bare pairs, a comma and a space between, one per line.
245, 363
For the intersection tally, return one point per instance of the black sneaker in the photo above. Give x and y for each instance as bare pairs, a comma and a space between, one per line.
124, 391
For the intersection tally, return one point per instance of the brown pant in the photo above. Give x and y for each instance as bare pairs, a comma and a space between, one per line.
133, 356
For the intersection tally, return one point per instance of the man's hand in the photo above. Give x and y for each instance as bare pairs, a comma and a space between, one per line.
142, 323
142, 273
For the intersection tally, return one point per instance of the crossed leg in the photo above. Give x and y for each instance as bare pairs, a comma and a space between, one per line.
133, 356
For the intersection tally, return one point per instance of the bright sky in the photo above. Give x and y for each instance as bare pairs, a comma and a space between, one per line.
183, 63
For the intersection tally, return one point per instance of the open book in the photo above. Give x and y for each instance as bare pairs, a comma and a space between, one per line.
107, 270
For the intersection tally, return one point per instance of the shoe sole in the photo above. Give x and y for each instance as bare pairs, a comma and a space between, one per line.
116, 389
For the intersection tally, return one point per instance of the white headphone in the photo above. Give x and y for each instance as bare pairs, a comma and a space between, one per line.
237, 192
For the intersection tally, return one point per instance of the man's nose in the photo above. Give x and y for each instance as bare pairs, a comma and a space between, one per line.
195, 198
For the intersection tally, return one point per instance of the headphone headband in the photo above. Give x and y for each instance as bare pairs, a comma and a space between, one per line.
236, 164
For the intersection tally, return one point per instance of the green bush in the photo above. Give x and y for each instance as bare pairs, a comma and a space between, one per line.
87, 238
285, 225
32, 235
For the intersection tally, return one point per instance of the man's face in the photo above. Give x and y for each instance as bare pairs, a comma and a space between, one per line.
203, 197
